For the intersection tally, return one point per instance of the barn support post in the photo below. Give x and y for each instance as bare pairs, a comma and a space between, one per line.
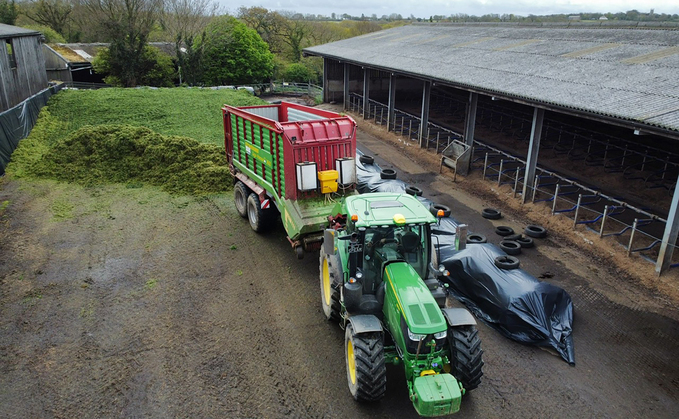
366, 92
670, 236
391, 106
533, 149
345, 99
470, 120
424, 121
326, 83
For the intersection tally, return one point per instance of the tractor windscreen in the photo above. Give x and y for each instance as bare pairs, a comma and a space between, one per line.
406, 243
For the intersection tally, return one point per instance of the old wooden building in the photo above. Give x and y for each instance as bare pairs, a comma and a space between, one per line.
22, 65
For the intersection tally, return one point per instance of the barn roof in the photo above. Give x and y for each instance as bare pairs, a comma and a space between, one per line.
9, 31
85, 52
619, 73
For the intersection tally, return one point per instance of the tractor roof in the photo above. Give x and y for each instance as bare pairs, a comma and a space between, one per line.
374, 209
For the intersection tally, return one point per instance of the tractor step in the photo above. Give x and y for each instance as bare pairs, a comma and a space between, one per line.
432, 283
439, 295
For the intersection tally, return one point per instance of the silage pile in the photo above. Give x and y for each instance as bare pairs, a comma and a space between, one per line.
101, 154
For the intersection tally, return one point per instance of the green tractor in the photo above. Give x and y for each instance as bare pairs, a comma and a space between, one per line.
378, 282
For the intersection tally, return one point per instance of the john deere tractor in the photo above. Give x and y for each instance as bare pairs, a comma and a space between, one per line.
378, 282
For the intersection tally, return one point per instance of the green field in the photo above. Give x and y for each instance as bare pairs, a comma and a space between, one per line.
188, 112
172, 138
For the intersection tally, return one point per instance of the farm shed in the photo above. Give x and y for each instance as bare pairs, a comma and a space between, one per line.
598, 93
73, 62
22, 66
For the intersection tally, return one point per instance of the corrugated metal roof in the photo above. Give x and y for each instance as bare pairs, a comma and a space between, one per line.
629, 74
85, 52
9, 31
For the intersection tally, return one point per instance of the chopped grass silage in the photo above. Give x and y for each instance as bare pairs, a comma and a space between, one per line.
96, 155
172, 138
188, 112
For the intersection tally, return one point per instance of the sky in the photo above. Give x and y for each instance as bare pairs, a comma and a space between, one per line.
426, 8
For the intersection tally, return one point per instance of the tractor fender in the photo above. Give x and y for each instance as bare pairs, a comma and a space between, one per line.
365, 323
458, 317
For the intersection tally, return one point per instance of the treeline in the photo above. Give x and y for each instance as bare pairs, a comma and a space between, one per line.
212, 47
631, 15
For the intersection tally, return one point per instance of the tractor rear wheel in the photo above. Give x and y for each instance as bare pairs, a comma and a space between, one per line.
466, 355
366, 370
240, 198
331, 277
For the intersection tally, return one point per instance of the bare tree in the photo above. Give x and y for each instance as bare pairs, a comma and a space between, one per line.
53, 13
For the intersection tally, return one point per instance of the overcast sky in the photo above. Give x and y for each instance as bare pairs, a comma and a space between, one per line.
426, 8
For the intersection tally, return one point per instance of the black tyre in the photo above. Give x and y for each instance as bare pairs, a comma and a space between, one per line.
507, 262
466, 355
366, 370
240, 198
260, 220
536, 232
413, 190
510, 247
476, 238
366, 159
436, 207
504, 231
491, 214
525, 242
388, 174
331, 281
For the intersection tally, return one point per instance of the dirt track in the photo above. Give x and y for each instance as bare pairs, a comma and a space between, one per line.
120, 302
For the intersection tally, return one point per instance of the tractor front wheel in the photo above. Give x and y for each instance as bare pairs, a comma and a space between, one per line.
331, 277
366, 370
466, 355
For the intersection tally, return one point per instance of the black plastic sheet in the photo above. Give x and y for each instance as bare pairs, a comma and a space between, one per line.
511, 301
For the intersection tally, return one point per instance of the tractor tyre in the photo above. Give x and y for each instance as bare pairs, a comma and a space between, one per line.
331, 281
260, 220
366, 369
466, 355
240, 198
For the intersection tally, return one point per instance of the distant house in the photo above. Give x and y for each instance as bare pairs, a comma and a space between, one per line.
603, 18
574, 17
22, 65
73, 62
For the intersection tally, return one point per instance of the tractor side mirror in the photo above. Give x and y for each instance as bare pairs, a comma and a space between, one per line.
329, 241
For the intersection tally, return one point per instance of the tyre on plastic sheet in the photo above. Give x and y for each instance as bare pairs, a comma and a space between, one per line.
240, 198
504, 230
331, 282
260, 220
413, 190
476, 238
507, 262
510, 247
491, 214
366, 369
536, 232
388, 174
434, 209
366, 159
466, 355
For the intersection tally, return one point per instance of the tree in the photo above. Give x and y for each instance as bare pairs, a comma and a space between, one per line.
234, 53
157, 68
183, 21
299, 72
55, 14
8, 12
126, 24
